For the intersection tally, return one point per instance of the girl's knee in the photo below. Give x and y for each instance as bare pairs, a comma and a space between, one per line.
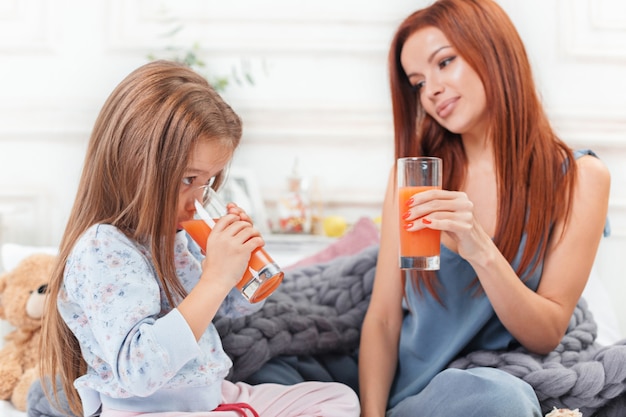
340, 400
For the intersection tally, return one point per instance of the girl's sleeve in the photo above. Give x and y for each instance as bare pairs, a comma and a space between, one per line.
235, 305
111, 301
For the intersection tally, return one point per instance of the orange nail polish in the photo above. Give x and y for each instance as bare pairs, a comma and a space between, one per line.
406, 215
408, 225
410, 201
426, 221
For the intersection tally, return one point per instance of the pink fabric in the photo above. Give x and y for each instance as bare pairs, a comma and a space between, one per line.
307, 399
364, 233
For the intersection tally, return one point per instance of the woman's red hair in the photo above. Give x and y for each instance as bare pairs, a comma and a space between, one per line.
534, 172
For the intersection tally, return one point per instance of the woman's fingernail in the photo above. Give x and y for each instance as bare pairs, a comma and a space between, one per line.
406, 215
410, 201
408, 225
426, 221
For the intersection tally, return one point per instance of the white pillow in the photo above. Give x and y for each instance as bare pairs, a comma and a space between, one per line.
600, 304
13, 253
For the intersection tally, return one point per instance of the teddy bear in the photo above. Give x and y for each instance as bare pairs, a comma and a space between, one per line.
23, 292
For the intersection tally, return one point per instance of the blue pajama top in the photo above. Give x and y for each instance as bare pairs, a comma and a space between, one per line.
141, 354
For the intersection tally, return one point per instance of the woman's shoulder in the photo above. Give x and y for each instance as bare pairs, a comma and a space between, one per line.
591, 168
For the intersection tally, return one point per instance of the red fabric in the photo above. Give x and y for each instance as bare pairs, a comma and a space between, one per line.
238, 407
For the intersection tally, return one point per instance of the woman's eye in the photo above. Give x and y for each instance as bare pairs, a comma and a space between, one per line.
445, 62
418, 86
188, 180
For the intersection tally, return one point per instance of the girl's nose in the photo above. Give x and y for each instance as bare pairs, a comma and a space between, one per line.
198, 193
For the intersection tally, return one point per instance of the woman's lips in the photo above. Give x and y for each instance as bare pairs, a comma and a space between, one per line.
446, 107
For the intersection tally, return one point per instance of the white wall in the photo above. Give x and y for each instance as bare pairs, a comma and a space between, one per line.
320, 93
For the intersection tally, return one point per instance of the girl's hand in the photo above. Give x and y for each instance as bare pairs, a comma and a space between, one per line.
229, 247
451, 212
235, 209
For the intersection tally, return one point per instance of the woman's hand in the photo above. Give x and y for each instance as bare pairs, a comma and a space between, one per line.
451, 212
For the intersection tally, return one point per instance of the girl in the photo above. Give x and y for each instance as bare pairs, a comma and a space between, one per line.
521, 217
128, 326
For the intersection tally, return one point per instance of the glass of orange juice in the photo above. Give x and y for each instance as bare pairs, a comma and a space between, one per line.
263, 275
419, 250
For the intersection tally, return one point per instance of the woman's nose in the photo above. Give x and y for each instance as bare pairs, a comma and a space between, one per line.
433, 87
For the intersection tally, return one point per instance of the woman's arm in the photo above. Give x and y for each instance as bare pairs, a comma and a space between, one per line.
567, 264
538, 320
380, 332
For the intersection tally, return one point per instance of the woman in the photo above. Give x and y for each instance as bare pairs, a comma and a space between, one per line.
128, 325
521, 217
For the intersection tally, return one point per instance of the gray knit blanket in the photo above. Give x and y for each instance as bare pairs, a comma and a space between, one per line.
319, 309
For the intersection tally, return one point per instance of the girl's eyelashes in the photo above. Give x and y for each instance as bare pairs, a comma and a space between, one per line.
189, 181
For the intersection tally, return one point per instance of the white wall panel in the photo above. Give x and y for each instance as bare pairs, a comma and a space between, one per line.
594, 28
320, 92
252, 26
26, 26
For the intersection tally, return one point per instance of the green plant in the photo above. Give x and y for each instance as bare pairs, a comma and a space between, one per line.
193, 57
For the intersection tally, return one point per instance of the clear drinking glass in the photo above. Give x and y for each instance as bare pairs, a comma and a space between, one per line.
419, 250
263, 275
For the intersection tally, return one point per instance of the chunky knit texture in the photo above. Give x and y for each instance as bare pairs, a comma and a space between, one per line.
317, 309
578, 374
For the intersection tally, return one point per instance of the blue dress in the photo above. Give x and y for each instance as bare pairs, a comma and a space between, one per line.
435, 333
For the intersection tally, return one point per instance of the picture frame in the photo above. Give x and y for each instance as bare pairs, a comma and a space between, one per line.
242, 189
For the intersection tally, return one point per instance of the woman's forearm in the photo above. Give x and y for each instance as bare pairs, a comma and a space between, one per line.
378, 355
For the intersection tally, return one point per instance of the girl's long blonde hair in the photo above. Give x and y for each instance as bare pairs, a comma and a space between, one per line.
135, 161
534, 168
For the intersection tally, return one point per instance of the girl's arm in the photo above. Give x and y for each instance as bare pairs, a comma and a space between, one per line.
538, 320
380, 332
234, 304
111, 301
229, 247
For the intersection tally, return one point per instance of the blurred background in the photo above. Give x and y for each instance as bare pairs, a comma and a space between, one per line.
309, 80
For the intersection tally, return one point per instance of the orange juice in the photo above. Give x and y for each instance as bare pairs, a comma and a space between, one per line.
423, 243
262, 276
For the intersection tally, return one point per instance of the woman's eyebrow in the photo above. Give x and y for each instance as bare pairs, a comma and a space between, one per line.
430, 59
436, 51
